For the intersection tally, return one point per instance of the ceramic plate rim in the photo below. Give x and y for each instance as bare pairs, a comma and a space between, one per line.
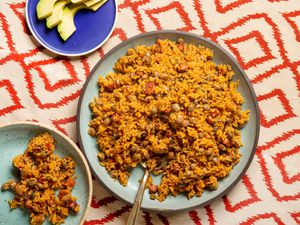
232, 59
70, 54
75, 147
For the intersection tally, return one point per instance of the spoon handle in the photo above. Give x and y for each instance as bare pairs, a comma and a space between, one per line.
138, 201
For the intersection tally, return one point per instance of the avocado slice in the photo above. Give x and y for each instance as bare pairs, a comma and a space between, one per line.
97, 5
44, 8
77, 1
67, 27
91, 2
56, 16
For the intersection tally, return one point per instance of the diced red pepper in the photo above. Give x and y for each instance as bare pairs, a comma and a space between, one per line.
70, 182
180, 46
111, 86
63, 192
48, 145
150, 88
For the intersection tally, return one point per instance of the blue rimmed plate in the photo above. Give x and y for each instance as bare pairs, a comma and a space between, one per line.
92, 29
249, 133
13, 141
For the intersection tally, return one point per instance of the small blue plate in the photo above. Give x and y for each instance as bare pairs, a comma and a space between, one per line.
249, 133
92, 29
13, 141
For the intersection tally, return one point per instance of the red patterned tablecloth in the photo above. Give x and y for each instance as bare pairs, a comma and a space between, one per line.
264, 35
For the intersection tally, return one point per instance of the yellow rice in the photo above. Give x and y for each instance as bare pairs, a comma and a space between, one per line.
42, 174
169, 101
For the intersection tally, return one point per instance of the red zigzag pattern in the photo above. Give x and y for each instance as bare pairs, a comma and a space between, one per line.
226, 22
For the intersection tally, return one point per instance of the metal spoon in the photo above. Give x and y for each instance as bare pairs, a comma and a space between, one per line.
139, 196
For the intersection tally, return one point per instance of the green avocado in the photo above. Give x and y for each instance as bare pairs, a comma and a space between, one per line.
56, 17
77, 1
67, 27
64, 15
91, 2
96, 6
44, 8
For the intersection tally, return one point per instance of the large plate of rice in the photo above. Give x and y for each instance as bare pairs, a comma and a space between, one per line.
175, 96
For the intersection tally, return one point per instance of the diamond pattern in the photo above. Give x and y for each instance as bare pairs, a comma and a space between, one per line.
8, 94
281, 190
257, 45
256, 23
179, 10
230, 5
7, 43
65, 125
279, 161
51, 81
203, 216
35, 73
264, 37
19, 11
245, 202
283, 106
267, 218
293, 20
296, 217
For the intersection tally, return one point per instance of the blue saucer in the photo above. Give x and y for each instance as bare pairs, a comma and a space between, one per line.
92, 29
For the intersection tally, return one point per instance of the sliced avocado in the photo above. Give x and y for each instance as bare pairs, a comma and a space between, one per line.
77, 1
91, 2
44, 8
67, 27
97, 5
56, 16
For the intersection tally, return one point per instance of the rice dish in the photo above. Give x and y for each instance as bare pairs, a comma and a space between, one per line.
42, 174
169, 102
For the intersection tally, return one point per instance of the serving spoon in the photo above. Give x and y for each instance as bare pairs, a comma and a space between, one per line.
138, 198
140, 194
